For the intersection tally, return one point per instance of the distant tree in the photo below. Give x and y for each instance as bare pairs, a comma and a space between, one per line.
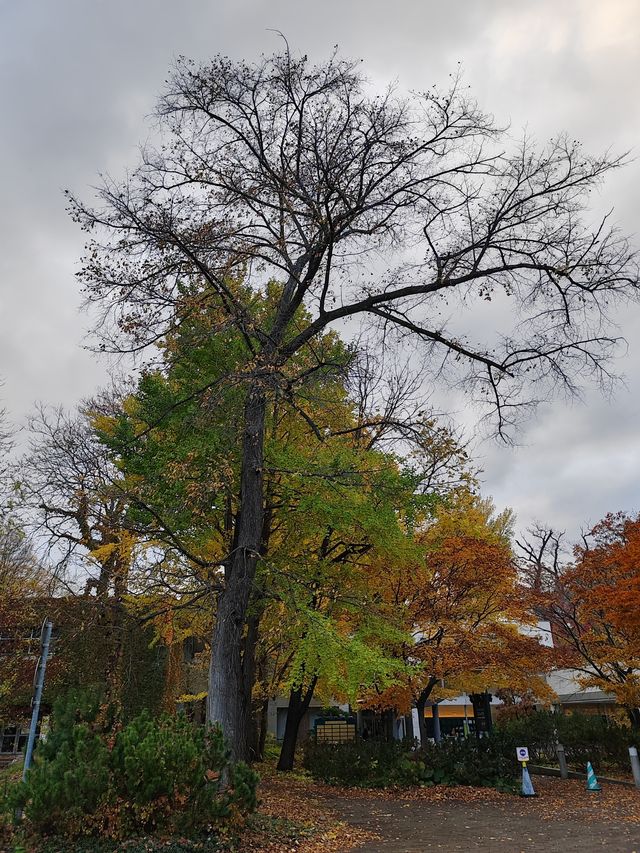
6, 445
379, 207
69, 489
591, 602
22, 574
69, 486
461, 609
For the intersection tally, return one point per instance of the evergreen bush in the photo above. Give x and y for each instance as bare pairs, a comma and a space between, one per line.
156, 774
490, 761
369, 764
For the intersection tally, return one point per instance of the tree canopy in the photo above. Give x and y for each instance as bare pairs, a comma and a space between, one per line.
591, 602
300, 173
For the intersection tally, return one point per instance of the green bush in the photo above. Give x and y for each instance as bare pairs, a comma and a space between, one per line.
490, 761
74, 783
372, 764
156, 774
585, 737
71, 776
481, 763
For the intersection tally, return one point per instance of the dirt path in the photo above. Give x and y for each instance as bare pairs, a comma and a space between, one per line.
564, 819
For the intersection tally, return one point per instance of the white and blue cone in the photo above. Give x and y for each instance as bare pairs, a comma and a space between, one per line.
592, 780
527, 786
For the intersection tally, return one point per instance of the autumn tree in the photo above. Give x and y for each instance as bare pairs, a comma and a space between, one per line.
281, 169
21, 573
461, 609
591, 600
332, 619
68, 489
336, 490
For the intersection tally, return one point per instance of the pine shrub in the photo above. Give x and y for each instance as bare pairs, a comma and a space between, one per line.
155, 774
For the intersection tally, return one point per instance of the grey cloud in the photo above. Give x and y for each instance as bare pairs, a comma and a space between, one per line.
78, 79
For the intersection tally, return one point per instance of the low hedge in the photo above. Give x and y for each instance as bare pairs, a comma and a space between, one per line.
490, 761
585, 737
372, 764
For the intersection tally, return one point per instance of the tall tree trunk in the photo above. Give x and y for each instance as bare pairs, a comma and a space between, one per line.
227, 697
248, 664
299, 702
421, 704
114, 615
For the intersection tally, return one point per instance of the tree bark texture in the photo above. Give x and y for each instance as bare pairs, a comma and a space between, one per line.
227, 702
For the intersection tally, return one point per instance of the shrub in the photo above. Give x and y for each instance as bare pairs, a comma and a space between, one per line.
490, 761
373, 764
169, 772
156, 774
70, 779
483, 763
585, 737
71, 786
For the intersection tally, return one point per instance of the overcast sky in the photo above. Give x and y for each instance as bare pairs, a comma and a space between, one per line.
78, 79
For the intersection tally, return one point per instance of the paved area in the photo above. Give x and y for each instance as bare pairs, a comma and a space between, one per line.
511, 827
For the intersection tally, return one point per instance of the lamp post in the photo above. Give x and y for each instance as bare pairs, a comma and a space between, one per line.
45, 642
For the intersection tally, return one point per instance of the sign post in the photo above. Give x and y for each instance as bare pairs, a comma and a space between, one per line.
522, 753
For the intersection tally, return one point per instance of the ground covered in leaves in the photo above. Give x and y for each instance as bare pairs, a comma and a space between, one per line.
563, 817
297, 814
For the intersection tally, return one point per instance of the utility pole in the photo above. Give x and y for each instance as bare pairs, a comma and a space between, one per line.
45, 642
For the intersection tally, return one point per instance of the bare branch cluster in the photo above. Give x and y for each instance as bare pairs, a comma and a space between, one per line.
383, 206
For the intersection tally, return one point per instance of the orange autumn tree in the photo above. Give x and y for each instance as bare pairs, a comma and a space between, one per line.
461, 607
601, 590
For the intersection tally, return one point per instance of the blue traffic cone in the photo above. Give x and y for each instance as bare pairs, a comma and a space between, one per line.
527, 786
592, 782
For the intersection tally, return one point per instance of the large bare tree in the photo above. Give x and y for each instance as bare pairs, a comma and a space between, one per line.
402, 210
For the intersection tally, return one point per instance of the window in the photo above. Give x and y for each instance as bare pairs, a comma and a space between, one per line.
12, 739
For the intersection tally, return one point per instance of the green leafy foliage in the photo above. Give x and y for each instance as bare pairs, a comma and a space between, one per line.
366, 764
488, 762
155, 774
481, 763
